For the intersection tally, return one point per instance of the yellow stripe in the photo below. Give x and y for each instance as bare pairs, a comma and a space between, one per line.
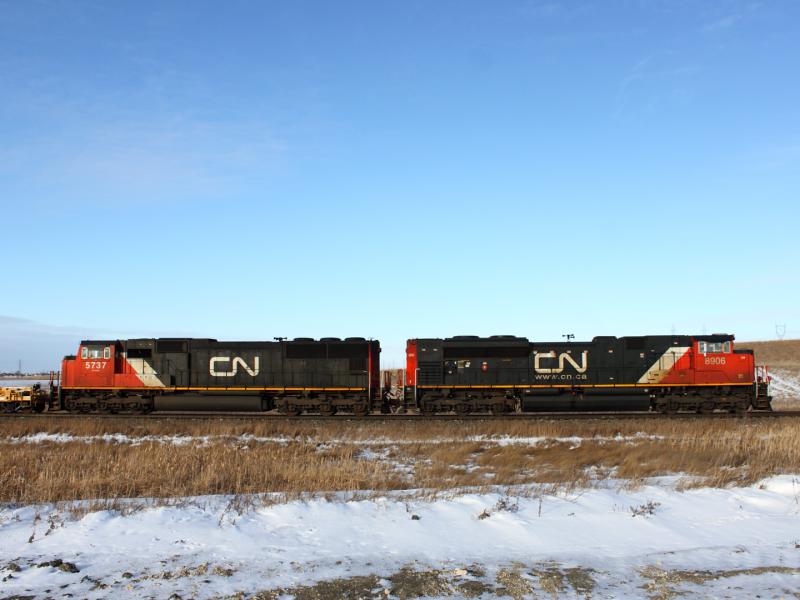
608, 385
225, 389
361, 389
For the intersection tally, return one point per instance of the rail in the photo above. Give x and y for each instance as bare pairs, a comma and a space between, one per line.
531, 416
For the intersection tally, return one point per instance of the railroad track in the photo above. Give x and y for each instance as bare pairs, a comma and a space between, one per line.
529, 416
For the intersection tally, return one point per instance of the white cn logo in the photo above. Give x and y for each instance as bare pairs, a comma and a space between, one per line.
235, 363
564, 357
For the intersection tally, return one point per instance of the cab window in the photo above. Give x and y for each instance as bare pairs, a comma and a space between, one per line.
99, 352
713, 347
84, 353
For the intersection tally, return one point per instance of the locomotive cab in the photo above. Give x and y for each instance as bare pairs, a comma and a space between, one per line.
94, 364
717, 362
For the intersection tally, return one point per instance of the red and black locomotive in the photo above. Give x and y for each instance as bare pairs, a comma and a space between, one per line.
462, 375
505, 373
322, 376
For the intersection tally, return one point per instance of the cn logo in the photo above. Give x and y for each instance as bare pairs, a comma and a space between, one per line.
564, 357
235, 363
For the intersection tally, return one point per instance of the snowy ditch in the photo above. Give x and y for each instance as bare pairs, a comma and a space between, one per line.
607, 541
598, 537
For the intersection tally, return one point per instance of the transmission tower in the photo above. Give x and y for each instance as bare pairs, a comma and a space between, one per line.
780, 331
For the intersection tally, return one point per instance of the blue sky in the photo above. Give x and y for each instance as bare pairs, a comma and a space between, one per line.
396, 169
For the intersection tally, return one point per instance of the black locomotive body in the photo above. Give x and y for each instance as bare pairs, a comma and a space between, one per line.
324, 376
499, 374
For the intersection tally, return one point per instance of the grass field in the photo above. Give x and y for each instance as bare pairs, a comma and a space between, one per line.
406, 510
70, 459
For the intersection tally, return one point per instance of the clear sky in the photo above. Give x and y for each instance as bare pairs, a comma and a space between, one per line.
244, 170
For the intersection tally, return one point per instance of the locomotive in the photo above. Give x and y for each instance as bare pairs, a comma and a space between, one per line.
462, 375
322, 376
505, 373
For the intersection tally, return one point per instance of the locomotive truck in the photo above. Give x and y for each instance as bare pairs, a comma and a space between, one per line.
462, 375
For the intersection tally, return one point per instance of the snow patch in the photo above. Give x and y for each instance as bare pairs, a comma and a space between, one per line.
182, 440
205, 548
784, 385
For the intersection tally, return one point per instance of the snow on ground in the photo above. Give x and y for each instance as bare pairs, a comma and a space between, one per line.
182, 440
24, 382
785, 385
606, 542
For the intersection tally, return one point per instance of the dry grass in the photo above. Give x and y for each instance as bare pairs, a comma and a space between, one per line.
322, 431
53, 472
296, 458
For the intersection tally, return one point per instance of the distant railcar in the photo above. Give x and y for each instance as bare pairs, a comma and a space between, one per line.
19, 398
323, 376
500, 374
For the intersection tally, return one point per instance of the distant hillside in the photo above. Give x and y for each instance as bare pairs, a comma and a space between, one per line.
783, 359
777, 354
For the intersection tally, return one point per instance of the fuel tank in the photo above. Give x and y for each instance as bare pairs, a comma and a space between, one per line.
595, 400
212, 402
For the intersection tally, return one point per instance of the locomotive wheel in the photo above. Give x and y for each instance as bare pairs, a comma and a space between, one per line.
293, 410
497, 409
144, 407
326, 410
360, 409
740, 407
671, 406
428, 409
706, 407
462, 408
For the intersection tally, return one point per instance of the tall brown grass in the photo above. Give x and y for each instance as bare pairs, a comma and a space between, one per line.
366, 430
315, 457
53, 472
